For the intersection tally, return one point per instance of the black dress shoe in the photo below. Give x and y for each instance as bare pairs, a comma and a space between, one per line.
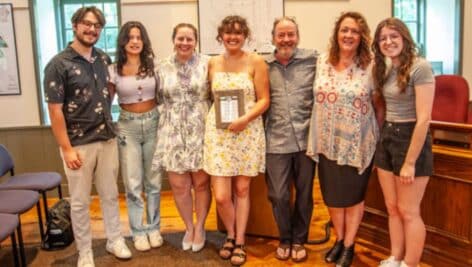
347, 255
333, 254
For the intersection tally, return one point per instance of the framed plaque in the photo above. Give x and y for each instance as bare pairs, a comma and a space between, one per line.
229, 105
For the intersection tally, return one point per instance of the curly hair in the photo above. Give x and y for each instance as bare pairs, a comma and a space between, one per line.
228, 25
146, 67
407, 55
364, 56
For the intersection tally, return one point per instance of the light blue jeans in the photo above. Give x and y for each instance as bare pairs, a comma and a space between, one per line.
137, 133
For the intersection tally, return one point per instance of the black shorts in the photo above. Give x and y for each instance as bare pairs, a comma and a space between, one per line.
393, 145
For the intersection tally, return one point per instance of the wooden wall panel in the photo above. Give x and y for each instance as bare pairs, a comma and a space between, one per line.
446, 210
35, 149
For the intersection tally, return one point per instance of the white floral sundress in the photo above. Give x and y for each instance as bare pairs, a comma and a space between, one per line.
184, 100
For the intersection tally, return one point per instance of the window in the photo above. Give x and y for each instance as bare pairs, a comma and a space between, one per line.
412, 12
436, 26
107, 41
56, 14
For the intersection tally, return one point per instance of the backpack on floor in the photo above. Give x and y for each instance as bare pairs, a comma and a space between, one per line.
59, 233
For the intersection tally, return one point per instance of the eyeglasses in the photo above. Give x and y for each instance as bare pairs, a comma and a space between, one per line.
89, 24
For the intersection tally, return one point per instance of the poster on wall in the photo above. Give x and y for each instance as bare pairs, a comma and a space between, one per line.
259, 14
9, 75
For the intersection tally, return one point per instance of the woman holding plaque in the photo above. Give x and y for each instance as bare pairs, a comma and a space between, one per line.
343, 130
404, 154
184, 100
236, 152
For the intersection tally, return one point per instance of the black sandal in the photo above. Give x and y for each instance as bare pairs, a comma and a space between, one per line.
228, 248
239, 255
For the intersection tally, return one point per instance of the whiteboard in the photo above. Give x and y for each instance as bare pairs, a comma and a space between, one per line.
260, 15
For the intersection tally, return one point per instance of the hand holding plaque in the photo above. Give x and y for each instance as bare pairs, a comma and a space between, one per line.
229, 105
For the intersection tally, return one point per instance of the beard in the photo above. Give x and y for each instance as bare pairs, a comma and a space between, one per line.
286, 52
80, 38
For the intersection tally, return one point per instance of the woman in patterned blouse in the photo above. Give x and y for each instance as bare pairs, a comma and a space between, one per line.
343, 130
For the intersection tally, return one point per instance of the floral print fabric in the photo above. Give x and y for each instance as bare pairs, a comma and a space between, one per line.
232, 154
81, 86
343, 126
183, 102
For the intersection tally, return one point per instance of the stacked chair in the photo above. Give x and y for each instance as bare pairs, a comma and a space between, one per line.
19, 193
9, 223
17, 202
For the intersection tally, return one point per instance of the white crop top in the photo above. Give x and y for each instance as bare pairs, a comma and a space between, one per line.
132, 89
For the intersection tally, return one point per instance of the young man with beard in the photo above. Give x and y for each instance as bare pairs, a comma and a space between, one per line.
291, 73
79, 108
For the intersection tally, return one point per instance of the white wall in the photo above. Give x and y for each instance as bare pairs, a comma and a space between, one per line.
22, 110
159, 17
316, 19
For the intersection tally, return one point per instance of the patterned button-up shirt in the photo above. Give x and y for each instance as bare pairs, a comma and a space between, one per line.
81, 86
291, 102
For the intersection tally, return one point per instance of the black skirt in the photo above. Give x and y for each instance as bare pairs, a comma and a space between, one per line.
341, 185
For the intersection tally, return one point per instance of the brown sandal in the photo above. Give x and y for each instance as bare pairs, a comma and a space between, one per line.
241, 256
298, 248
283, 252
227, 249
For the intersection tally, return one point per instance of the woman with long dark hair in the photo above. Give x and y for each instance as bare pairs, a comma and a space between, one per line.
134, 80
404, 155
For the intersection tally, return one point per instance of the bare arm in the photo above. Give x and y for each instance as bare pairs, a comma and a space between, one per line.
111, 90
59, 129
211, 70
261, 87
379, 108
424, 104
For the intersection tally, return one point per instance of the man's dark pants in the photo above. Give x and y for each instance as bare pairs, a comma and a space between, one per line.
282, 169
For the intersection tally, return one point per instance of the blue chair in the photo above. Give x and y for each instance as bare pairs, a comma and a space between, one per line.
17, 202
9, 223
35, 181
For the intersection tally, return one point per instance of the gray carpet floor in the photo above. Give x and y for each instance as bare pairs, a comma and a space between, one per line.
170, 254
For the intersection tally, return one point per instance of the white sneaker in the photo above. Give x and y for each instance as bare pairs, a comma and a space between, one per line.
141, 243
86, 259
390, 262
119, 249
155, 239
